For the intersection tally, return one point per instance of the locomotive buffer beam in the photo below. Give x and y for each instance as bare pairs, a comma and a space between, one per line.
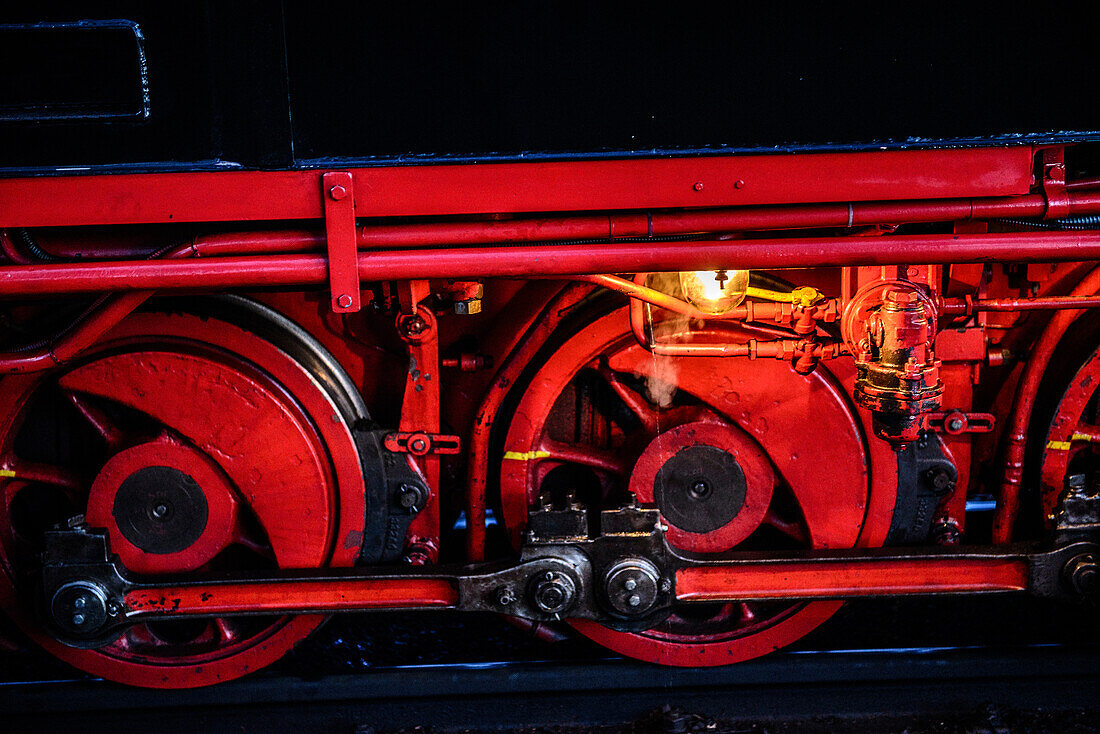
626, 578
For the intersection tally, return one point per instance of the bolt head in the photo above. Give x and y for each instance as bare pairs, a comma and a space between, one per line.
552, 592
898, 296
700, 489
551, 596
739, 184
344, 301
631, 586
338, 193
408, 496
78, 619
698, 186
1083, 575
940, 479
414, 325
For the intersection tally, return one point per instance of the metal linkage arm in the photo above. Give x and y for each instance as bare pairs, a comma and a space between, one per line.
627, 579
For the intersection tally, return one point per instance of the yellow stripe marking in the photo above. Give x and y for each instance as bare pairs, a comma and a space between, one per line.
7, 473
525, 456
1067, 445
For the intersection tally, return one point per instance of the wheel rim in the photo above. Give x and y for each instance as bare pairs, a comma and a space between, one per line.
1074, 431
603, 415
262, 462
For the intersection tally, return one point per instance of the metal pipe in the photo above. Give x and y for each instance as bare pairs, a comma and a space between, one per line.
523, 261
7, 246
93, 324
637, 290
503, 381
731, 219
959, 307
1023, 404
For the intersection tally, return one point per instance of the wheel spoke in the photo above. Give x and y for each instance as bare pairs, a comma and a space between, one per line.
136, 637
634, 401
605, 459
29, 471
226, 630
794, 530
1086, 432
99, 421
245, 540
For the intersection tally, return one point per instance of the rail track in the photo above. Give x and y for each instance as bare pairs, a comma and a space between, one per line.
503, 683
508, 695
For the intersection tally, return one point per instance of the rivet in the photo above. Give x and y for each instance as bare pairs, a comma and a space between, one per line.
698, 186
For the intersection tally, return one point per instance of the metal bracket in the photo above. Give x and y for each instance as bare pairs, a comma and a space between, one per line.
1053, 182
955, 422
343, 265
420, 443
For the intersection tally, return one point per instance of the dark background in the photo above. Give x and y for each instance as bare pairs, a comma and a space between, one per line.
269, 85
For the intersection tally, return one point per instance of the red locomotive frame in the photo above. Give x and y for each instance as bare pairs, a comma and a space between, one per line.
928, 332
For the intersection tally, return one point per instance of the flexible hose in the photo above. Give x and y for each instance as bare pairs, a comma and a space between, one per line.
36, 252
1088, 221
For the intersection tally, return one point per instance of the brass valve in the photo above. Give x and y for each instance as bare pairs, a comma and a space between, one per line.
892, 325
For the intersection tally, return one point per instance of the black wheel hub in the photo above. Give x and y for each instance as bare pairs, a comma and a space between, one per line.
700, 489
160, 510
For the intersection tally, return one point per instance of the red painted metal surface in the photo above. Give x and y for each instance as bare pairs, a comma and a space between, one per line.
615, 225
503, 381
1023, 405
1071, 435
275, 449
551, 260
848, 512
283, 597
339, 197
227, 392
520, 187
221, 522
1050, 303
795, 580
418, 328
760, 480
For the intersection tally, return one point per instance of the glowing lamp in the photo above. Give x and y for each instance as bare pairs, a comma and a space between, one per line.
714, 291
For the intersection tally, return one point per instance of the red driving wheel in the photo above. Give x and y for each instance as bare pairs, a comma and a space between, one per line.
199, 446
736, 454
1074, 436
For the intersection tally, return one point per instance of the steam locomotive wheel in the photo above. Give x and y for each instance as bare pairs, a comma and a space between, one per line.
199, 446
1071, 444
736, 454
